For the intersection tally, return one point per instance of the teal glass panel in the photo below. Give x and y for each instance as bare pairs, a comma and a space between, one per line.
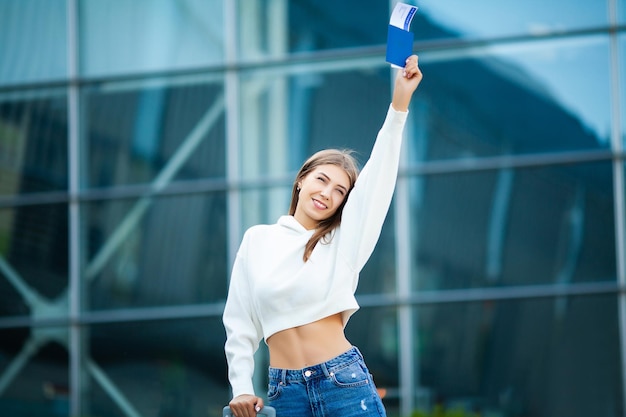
263, 205
34, 371
34, 261
156, 368
379, 274
121, 36
155, 251
153, 132
275, 28
513, 99
33, 142
33, 41
513, 227
529, 357
622, 77
287, 114
457, 19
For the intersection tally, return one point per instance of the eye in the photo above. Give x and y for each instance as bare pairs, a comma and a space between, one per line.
340, 191
322, 179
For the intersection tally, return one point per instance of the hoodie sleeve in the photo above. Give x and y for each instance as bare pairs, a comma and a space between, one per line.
368, 203
243, 330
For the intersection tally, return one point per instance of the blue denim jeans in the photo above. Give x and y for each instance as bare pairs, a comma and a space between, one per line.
341, 387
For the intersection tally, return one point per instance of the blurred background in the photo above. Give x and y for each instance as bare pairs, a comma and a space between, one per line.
140, 138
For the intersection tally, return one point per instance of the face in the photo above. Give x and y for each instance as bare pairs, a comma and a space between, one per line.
321, 193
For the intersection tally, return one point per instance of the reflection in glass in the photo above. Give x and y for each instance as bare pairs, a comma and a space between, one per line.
155, 251
546, 225
160, 35
34, 270
155, 132
379, 274
264, 205
515, 100
163, 368
34, 41
538, 357
498, 18
34, 372
33, 142
288, 117
622, 75
275, 28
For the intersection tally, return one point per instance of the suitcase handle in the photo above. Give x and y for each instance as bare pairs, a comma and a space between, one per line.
266, 411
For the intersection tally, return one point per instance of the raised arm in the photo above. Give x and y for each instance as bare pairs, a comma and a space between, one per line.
368, 202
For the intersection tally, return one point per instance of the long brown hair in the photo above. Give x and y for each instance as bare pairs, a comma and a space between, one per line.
340, 158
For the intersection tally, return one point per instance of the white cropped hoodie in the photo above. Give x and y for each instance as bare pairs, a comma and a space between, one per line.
273, 289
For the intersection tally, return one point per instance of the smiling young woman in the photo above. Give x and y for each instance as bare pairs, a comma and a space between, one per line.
324, 190
293, 282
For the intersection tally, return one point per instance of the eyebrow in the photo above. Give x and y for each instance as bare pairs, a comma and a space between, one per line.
328, 178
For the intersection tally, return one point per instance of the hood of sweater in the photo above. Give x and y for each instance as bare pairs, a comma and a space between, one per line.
290, 222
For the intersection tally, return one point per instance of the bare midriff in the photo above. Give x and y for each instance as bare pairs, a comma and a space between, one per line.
310, 344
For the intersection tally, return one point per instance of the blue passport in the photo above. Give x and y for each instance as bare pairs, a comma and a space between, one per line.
399, 46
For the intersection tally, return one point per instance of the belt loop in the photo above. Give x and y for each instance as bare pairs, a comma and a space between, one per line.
325, 369
283, 376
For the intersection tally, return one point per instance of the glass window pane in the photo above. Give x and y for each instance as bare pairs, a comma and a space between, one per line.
622, 75
33, 39
34, 370
33, 142
379, 274
285, 118
164, 368
125, 36
157, 131
263, 205
538, 357
496, 18
513, 99
274, 28
525, 226
34, 256
155, 251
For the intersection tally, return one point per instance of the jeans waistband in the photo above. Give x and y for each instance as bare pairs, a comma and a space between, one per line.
324, 369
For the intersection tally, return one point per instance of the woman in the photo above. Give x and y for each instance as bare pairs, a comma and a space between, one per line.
293, 282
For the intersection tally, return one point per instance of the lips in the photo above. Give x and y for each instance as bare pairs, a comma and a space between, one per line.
318, 204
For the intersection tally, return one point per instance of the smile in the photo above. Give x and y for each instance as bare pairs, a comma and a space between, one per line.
319, 204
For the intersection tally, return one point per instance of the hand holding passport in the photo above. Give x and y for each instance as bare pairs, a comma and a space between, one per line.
399, 38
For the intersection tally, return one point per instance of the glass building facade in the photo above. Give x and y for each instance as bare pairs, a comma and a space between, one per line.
139, 139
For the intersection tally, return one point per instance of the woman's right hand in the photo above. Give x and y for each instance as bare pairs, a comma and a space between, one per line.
407, 80
246, 405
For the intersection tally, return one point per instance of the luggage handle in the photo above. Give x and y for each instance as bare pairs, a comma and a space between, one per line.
266, 411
